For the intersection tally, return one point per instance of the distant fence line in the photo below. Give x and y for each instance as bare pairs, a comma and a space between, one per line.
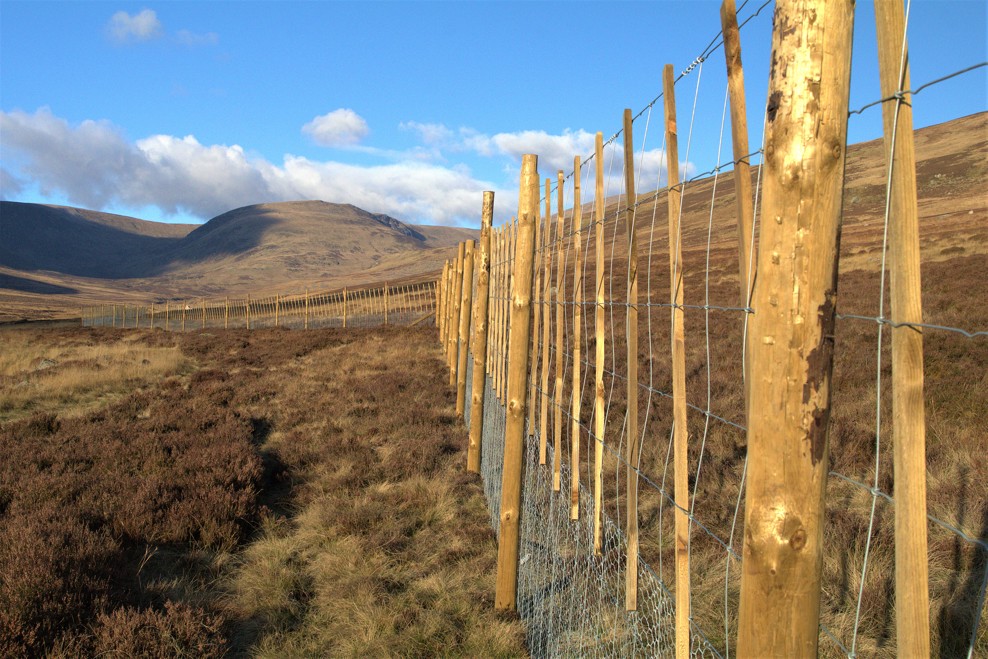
404, 304
679, 496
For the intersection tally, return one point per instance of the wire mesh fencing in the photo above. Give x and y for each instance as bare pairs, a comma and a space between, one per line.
409, 304
599, 476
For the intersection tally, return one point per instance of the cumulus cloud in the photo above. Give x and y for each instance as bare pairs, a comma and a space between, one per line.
94, 165
339, 128
142, 26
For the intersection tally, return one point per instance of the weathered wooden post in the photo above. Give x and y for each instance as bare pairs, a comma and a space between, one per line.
631, 415
514, 434
344, 306
557, 435
676, 296
226, 313
247, 310
574, 452
455, 318
305, 323
546, 327
466, 304
908, 413
203, 313
185, 308
151, 324
739, 137
385, 303
277, 310
167, 317
793, 328
481, 306
599, 325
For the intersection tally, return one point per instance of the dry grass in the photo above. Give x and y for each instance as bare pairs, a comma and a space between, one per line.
287, 494
68, 370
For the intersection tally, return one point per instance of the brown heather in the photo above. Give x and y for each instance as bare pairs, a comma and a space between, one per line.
273, 493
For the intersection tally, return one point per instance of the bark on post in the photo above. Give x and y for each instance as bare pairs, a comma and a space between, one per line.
908, 412
480, 324
466, 305
792, 328
514, 435
574, 455
631, 425
599, 325
680, 464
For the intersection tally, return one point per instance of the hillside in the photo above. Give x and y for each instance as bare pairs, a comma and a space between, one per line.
54, 259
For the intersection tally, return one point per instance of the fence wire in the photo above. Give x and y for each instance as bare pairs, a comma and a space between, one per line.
570, 596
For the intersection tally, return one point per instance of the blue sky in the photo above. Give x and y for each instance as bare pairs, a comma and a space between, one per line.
178, 111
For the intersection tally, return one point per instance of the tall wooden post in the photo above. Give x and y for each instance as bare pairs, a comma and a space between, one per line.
386, 302
514, 434
599, 325
344, 306
203, 313
247, 310
739, 134
481, 305
536, 325
546, 326
631, 425
185, 308
908, 413
455, 318
793, 328
151, 323
305, 323
167, 317
574, 454
557, 435
277, 310
226, 313
466, 305
680, 464
114, 320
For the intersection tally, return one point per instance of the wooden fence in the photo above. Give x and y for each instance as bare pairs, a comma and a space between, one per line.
406, 304
573, 420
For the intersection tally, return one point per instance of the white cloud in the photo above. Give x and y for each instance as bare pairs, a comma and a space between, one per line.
9, 184
339, 128
430, 134
95, 166
194, 39
142, 26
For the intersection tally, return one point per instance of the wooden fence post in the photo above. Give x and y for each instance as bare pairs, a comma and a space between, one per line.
908, 413
631, 425
793, 326
505, 597
536, 325
277, 310
226, 313
574, 455
481, 306
247, 310
151, 324
344, 306
455, 318
557, 434
546, 327
305, 323
203, 313
739, 136
466, 305
167, 317
678, 349
184, 309
599, 320
386, 302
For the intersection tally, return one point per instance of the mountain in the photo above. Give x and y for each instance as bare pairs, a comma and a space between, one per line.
72, 256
